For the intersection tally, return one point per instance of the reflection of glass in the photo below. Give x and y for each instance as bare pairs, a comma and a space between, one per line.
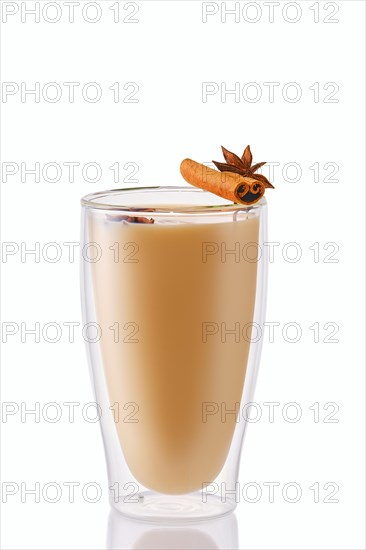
131, 534
177, 306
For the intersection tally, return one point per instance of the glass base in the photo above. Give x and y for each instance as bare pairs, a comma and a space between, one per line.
150, 506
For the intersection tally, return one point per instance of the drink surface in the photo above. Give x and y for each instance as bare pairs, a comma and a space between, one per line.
174, 298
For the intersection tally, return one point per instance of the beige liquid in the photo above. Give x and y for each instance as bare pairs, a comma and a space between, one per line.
166, 379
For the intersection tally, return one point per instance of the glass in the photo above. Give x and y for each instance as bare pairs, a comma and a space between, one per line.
173, 298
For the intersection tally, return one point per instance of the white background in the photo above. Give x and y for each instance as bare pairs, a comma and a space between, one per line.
170, 52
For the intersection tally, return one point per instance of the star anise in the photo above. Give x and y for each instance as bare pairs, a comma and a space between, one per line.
133, 219
242, 166
137, 219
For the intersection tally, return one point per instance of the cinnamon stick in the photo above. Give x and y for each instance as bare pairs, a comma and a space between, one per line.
229, 185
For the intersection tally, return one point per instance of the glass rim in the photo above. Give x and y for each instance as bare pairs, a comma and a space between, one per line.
227, 207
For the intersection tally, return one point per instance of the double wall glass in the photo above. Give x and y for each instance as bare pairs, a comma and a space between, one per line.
173, 291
